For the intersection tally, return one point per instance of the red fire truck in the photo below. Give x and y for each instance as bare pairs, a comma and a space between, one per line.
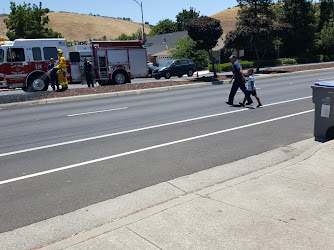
23, 62
115, 62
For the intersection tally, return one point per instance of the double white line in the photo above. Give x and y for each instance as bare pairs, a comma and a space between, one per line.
140, 129
147, 148
150, 148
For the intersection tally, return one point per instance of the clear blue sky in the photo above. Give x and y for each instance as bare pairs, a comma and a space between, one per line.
154, 10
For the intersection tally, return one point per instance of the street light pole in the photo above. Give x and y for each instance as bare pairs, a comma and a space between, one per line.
142, 17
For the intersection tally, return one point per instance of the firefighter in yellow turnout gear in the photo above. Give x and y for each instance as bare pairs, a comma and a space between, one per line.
61, 67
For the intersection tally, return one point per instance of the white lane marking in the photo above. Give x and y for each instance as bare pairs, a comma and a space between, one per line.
95, 112
141, 129
291, 83
150, 148
276, 103
325, 79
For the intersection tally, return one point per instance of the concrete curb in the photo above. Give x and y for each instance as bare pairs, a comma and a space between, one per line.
267, 170
201, 192
64, 231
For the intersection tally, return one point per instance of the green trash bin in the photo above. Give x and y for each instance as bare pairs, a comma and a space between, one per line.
323, 98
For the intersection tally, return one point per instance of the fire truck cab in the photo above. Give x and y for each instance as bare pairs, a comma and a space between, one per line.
23, 62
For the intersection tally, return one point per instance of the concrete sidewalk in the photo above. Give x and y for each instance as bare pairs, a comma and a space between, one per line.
287, 203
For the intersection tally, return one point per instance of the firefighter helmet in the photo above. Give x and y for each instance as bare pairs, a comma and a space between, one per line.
59, 51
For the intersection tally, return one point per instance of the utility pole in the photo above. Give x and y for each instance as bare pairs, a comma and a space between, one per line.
142, 18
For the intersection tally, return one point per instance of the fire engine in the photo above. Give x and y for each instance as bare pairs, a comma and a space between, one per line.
23, 62
115, 62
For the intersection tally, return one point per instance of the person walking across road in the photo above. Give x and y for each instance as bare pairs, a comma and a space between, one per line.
61, 67
53, 74
88, 73
251, 89
239, 81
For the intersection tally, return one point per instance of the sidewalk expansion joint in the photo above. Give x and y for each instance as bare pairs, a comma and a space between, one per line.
121, 218
273, 218
296, 180
248, 173
177, 187
143, 238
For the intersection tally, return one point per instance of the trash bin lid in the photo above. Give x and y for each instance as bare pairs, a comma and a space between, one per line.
325, 84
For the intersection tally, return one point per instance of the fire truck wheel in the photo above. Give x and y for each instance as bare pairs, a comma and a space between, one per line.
119, 77
103, 83
38, 82
167, 75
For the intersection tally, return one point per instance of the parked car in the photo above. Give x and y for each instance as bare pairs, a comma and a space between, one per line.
178, 67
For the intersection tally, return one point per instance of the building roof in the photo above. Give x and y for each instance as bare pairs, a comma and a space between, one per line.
163, 53
159, 43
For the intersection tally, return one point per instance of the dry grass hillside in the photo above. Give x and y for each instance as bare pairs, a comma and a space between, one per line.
79, 27
227, 19
3, 29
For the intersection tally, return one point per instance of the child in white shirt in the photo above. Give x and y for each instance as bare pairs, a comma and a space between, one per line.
251, 89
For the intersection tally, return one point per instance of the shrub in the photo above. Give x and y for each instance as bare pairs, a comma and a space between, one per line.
326, 58
221, 67
311, 59
267, 63
228, 66
247, 64
287, 61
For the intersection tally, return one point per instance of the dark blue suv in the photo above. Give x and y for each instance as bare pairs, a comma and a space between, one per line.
178, 67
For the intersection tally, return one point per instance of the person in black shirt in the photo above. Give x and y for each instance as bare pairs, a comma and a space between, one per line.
53, 74
88, 73
239, 81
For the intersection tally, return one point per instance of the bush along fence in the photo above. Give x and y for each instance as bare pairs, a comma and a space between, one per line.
277, 62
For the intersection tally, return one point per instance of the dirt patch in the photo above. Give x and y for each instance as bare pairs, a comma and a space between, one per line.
100, 90
295, 69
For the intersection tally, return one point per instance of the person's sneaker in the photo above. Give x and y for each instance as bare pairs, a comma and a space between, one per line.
241, 104
229, 103
260, 105
249, 103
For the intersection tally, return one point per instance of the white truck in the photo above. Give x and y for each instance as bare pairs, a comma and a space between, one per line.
23, 62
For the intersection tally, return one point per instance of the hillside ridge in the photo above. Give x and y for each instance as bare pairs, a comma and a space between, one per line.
82, 27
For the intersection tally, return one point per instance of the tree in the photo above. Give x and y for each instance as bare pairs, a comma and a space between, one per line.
205, 31
186, 48
163, 27
134, 36
27, 21
326, 39
255, 34
326, 13
184, 17
123, 37
255, 9
300, 15
256, 29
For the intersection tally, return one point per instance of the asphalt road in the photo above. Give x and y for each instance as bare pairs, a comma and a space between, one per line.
57, 158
